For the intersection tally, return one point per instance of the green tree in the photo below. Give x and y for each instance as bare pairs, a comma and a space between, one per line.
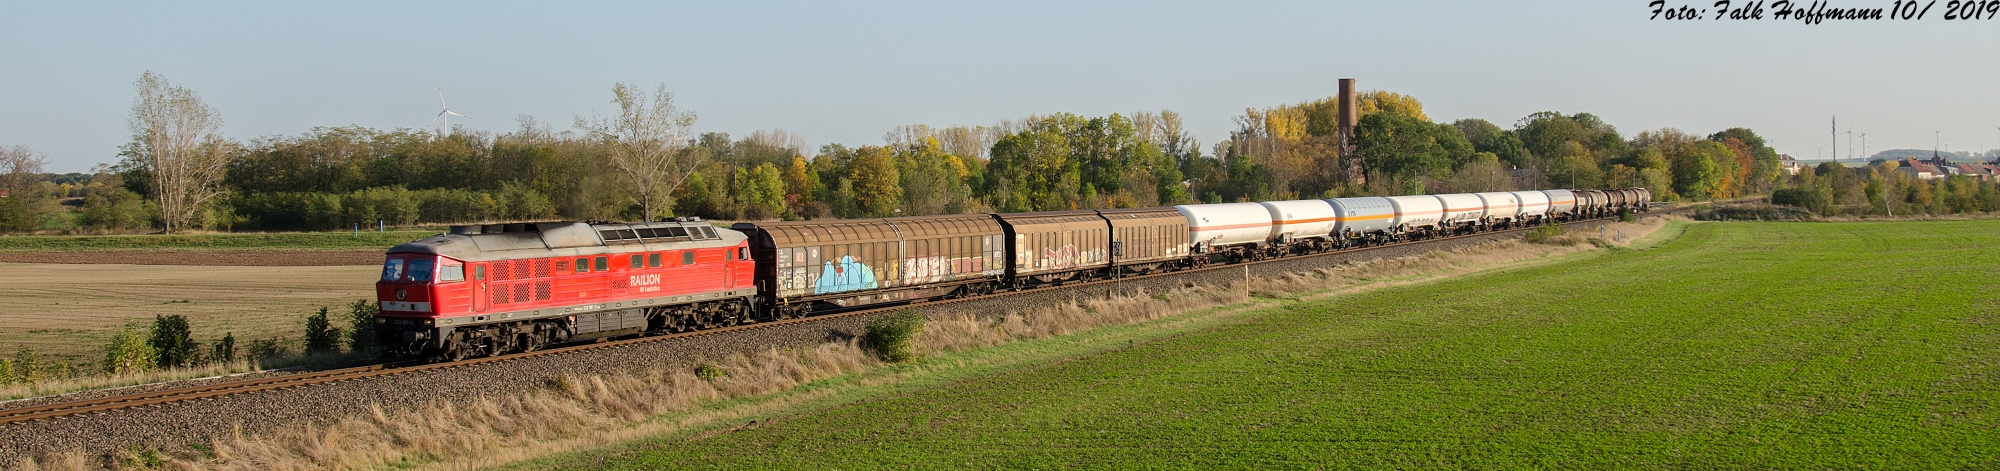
1033, 170
173, 342
225, 349
877, 186
763, 191
1404, 148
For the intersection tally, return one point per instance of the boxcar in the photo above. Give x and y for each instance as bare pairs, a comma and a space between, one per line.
808, 265
1461, 210
1534, 205
1146, 239
1306, 223
1362, 220
1501, 207
1562, 203
1216, 227
1416, 214
1056, 245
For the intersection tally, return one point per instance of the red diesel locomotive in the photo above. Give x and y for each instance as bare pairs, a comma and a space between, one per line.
495, 289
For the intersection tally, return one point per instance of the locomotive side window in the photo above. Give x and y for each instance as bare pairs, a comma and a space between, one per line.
583, 265
420, 270
742, 253
603, 263
653, 260
638, 261
392, 269
479, 272
451, 273
687, 258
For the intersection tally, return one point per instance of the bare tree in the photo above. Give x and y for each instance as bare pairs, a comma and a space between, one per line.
779, 138
20, 168
646, 142
174, 138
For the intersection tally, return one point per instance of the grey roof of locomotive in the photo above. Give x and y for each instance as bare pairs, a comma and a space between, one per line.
568, 238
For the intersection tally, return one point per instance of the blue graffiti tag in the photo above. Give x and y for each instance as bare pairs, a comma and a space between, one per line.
849, 275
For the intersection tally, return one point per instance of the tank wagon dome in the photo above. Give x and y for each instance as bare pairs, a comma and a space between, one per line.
567, 238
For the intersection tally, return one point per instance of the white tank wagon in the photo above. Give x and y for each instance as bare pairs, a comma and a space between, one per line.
1233, 228
1501, 207
1417, 215
1562, 204
1534, 206
1362, 220
1462, 211
1301, 225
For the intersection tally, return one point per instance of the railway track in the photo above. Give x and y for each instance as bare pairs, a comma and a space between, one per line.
143, 399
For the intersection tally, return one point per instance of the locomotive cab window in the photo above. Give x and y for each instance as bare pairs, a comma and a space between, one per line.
392, 269
479, 272
451, 273
742, 253
653, 260
420, 270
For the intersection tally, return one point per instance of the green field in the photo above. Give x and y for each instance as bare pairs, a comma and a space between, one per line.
275, 240
1737, 345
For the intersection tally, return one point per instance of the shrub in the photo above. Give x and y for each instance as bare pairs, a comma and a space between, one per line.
173, 344
1551, 235
1624, 214
15, 216
321, 335
129, 353
268, 348
225, 349
894, 338
709, 372
361, 324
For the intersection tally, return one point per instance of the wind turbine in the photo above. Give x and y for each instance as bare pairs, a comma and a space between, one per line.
1850, 143
443, 119
1864, 144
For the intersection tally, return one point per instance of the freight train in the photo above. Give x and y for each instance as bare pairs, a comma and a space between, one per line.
503, 288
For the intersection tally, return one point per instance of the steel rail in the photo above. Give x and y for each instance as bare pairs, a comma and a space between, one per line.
142, 399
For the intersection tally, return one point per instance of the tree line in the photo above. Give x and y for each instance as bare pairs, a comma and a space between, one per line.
645, 162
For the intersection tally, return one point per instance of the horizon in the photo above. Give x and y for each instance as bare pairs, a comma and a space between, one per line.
849, 74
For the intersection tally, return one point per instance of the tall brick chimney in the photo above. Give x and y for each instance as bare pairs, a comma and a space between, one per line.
1352, 171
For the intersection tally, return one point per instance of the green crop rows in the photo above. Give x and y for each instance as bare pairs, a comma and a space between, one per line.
1739, 345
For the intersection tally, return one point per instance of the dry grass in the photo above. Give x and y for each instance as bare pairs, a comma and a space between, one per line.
14, 391
575, 413
70, 311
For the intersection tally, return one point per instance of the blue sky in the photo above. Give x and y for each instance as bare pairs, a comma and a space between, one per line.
849, 72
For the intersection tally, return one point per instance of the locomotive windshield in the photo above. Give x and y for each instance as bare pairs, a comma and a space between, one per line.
392, 270
418, 270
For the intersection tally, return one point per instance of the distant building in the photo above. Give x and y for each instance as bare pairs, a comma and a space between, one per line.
1919, 169
1791, 165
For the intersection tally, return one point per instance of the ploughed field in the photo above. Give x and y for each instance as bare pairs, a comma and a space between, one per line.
72, 310
1736, 345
